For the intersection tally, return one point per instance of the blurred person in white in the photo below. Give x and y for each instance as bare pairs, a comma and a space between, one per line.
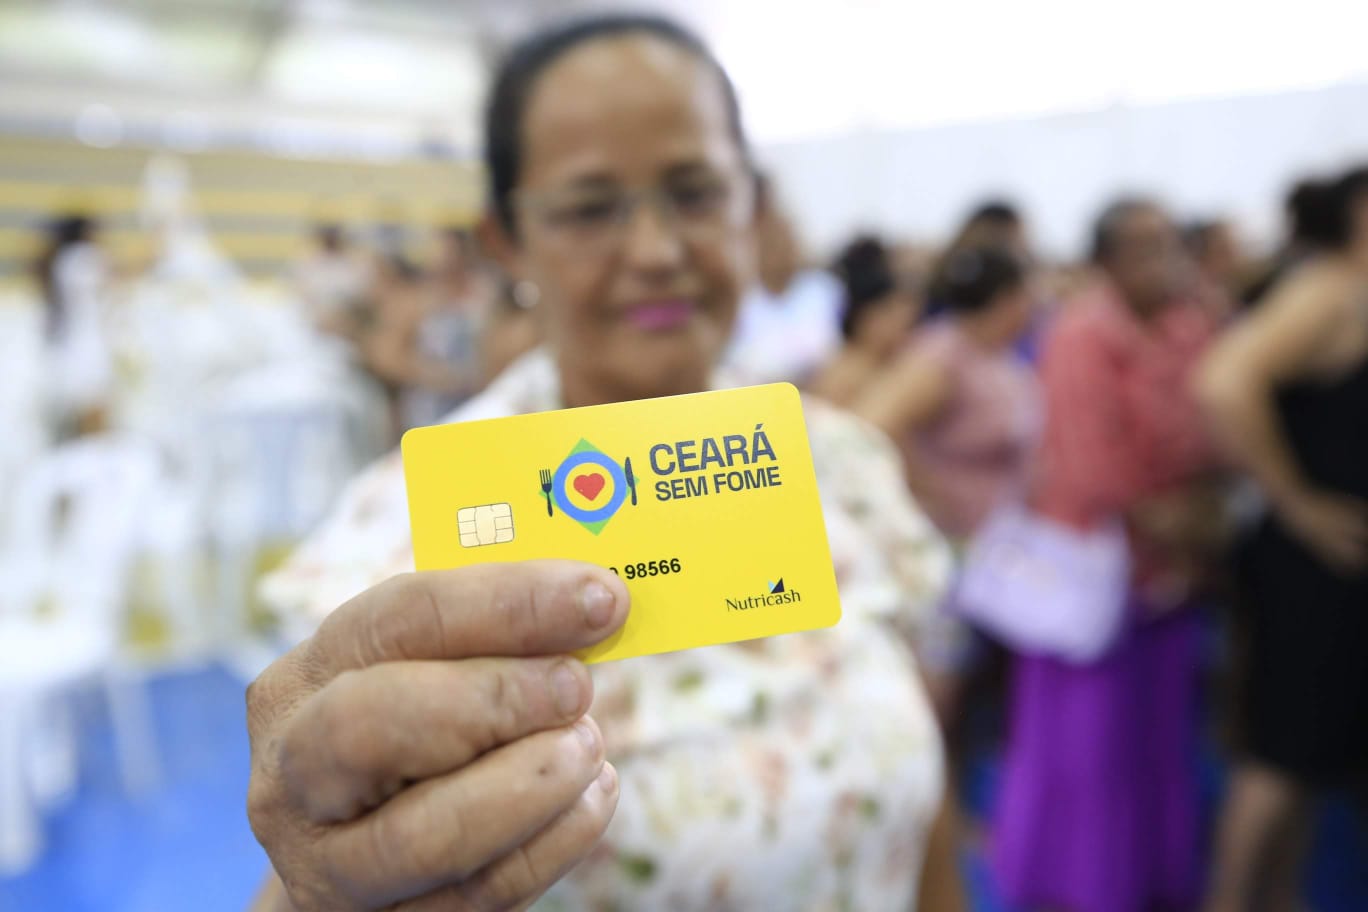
1287, 392
876, 318
332, 282
427, 748
966, 413
73, 278
787, 324
186, 254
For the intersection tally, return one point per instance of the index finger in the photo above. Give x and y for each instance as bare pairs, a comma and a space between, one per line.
531, 608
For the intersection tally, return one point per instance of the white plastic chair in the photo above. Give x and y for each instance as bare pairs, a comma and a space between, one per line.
74, 528
26, 435
279, 451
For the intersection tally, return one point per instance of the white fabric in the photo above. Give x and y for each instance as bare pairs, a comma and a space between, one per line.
330, 283
786, 337
80, 368
1043, 587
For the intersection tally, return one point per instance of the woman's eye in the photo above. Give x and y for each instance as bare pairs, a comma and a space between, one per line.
586, 213
699, 198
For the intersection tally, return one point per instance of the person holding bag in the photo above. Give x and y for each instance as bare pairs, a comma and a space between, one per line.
1098, 809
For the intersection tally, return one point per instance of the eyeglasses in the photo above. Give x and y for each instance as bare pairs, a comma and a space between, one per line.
699, 207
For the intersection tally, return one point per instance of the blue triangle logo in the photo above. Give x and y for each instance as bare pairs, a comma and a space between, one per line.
777, 587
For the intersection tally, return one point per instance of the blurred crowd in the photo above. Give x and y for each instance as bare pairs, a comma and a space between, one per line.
430, 319
1212, 399
428, 322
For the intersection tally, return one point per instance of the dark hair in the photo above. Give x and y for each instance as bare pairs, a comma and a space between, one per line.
867, 276
1330, 210
459, 235
62, 233
524, 64
974, 277
990, 224
329, 236
402, 268
997, 212
1310, 210
1307, 205
1109, 222
461, 238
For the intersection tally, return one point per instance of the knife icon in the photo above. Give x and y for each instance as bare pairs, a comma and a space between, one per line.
631, 479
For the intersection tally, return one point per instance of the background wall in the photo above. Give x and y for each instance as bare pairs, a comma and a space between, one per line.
881, 114
1230, 156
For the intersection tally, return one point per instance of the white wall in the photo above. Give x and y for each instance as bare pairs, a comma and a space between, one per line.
1232, 156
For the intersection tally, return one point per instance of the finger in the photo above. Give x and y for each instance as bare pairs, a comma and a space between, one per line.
354, 743
273, 694
516, 609
441, 831
520, 877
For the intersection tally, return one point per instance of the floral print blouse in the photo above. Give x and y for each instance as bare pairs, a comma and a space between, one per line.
799, 772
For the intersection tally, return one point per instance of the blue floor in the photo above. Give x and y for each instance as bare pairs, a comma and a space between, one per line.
188, 846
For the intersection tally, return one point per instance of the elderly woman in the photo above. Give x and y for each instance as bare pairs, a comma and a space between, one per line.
428, 747
1098, 811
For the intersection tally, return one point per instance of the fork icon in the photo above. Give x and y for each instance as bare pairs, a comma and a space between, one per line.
546, 489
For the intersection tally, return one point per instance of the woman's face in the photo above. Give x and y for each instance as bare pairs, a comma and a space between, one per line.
886, 323
635, 212
1015, 309
452, 254
1148, 261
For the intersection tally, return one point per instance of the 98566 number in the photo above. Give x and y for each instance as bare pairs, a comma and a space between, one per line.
649, 568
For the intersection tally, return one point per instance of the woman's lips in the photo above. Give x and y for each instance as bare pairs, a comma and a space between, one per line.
660, 316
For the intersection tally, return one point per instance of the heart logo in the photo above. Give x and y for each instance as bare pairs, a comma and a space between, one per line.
590, 485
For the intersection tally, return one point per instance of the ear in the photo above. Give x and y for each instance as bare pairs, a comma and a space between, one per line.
497, 244
762, 199
757, 212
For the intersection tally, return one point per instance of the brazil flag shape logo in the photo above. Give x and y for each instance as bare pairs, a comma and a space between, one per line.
589, 487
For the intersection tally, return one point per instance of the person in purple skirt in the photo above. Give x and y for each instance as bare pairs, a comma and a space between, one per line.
1098, 810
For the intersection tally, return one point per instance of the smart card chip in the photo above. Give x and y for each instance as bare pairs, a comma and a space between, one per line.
491, 524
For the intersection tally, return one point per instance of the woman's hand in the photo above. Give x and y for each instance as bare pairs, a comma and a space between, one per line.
1333, 526
427, 748
1190, 520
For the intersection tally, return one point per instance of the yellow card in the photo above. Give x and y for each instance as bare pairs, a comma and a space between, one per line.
706, 505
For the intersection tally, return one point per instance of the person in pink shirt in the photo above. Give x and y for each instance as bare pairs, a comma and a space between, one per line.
1098, 810
962, 406
965, 412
